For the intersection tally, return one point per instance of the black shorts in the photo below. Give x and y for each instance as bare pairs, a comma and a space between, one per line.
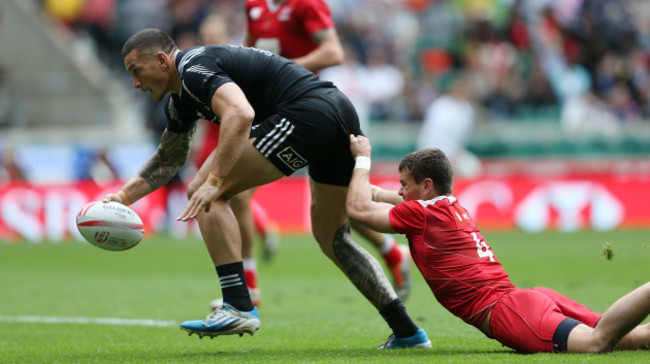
313, 131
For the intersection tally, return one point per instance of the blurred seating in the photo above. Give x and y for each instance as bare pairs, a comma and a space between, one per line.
126, 158
53, 163
528, 61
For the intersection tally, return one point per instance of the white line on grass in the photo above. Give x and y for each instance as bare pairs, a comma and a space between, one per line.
87, 320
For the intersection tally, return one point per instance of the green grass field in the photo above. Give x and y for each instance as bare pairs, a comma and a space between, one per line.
310, 313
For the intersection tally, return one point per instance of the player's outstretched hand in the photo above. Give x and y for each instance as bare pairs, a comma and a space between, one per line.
121, 197
112, 197
200, 200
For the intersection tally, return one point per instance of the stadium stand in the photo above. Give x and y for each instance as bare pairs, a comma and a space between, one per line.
525, 58
50, 73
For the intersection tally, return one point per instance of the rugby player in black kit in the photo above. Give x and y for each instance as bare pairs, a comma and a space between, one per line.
276, 117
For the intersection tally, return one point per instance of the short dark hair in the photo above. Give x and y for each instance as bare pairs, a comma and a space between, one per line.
153, 40
430, 163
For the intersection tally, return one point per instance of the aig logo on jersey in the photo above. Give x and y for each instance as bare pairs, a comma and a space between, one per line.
292, 159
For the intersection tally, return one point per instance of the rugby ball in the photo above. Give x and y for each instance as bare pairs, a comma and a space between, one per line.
110, 225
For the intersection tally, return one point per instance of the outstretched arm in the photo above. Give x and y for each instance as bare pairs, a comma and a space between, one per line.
329, 52
359, 204
167, 160
381, 195
236, 114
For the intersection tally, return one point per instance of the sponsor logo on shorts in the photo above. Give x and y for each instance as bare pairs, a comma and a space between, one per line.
291, 158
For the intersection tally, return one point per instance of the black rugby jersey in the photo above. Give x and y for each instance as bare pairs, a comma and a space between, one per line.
268, 81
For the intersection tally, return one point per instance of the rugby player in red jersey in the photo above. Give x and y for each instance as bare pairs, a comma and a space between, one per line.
465, 275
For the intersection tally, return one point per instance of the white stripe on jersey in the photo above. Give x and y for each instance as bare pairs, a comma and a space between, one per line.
191, 94
188, 57
171, 108
197, 68
272, 140
426, 203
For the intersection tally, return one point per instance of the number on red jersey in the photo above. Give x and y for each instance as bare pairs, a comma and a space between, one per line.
464, 220
482, 248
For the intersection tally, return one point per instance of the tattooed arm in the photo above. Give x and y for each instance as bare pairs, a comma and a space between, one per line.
171, 155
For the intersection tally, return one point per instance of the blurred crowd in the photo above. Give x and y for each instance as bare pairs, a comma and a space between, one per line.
522, 58
444, 63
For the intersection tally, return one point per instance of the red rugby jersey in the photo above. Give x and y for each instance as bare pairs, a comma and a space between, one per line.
452, 255
287, 28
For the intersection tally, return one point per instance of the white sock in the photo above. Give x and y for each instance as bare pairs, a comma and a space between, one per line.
386, 246
250, 263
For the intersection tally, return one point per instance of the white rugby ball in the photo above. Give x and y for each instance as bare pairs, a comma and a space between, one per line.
110, 226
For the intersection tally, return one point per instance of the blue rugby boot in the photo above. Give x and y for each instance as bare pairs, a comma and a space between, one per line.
419, 340
225, 320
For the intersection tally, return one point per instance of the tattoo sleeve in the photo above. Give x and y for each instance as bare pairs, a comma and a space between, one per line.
362, 269
171, 155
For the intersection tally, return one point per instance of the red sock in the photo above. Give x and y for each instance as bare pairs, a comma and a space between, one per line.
260, 218
251, 278
392, 257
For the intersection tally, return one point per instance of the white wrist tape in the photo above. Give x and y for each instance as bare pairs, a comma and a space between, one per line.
362, 162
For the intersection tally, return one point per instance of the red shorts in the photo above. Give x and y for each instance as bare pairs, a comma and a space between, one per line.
527, 319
